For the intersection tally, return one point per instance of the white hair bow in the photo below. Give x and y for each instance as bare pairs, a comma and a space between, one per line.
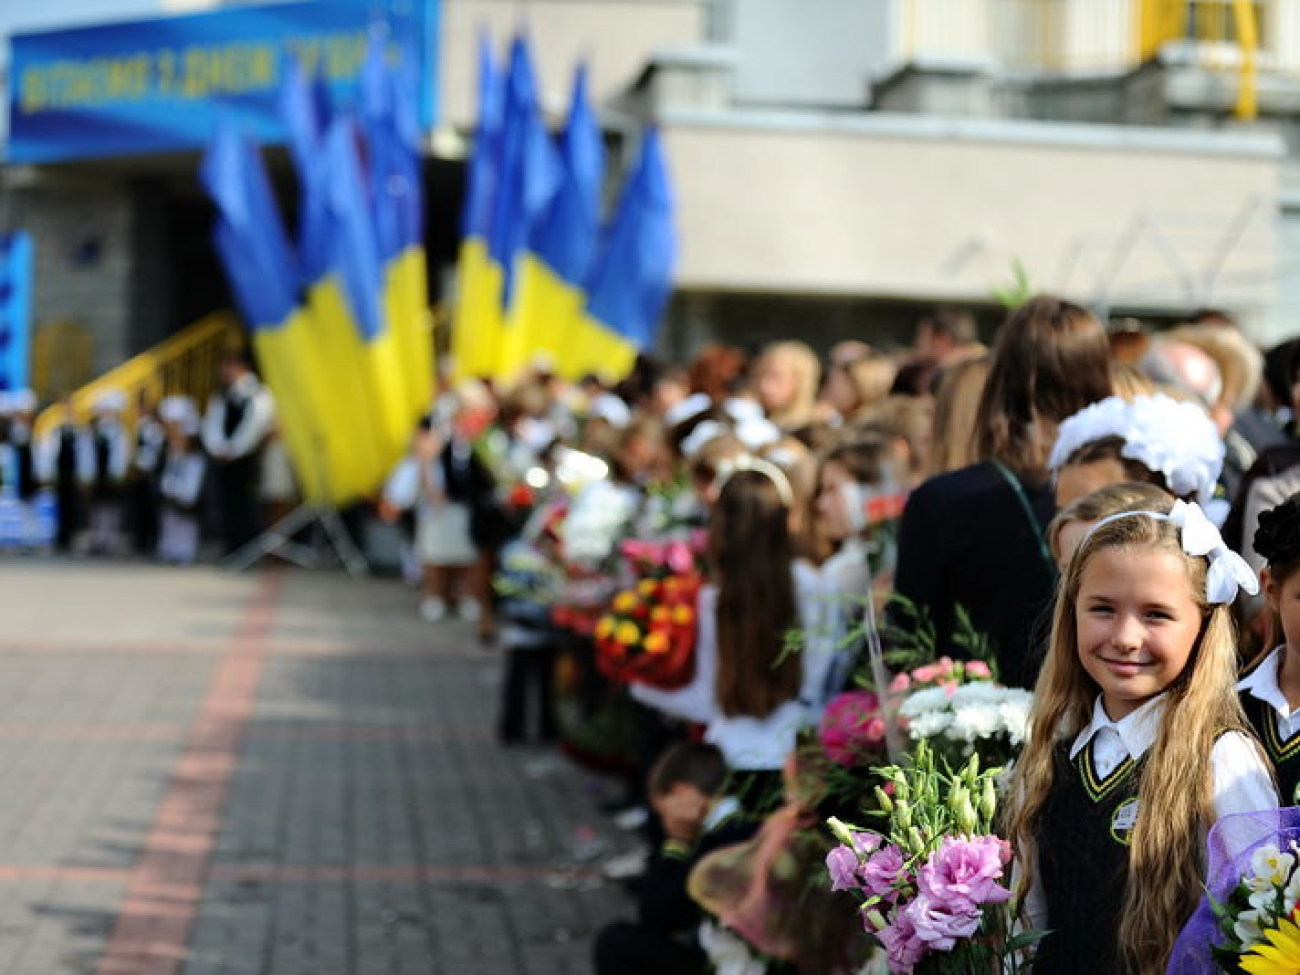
1228, 571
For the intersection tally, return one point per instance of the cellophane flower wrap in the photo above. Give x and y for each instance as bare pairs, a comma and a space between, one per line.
934, 883
1248, 920
648, 634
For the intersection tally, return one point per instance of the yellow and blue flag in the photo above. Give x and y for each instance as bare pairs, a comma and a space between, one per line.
631, 279
476, 334
390, 116
547, 316
260, 265
339, 391
354, 256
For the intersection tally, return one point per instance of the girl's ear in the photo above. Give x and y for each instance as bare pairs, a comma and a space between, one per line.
1269, 587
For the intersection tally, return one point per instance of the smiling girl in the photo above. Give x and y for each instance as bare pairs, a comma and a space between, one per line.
1137, 742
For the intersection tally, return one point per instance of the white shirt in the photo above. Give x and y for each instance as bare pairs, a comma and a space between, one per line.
182, 478
1242, 779
1262, 684
254, 426
750, 743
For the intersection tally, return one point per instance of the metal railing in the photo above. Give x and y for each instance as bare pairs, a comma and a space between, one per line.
187, 363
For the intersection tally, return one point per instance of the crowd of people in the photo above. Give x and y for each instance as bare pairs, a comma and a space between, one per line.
1064, 509
692, 571
181, 475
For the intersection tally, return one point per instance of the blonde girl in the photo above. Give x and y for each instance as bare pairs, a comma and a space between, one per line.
1137, 742
786, 378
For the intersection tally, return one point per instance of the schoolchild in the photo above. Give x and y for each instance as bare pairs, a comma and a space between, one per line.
1270, 692
180, 487
1137, 743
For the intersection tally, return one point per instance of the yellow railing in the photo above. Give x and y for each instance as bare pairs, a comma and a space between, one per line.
187, 363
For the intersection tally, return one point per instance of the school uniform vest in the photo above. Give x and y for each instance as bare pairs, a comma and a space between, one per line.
1285, 755
1082, 844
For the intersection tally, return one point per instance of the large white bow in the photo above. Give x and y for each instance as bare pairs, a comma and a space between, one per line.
1228, 571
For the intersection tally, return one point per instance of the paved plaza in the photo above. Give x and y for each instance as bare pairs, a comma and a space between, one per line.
281, 772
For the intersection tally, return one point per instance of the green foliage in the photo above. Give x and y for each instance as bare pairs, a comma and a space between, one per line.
1018, 290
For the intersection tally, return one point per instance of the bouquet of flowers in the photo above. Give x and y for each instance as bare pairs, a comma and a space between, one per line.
961, 711
648, 635
932, 883
1249, 920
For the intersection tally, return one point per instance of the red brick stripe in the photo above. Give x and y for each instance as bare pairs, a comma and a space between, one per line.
166, 885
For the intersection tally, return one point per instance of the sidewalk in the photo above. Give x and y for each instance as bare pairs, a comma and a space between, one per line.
283, 773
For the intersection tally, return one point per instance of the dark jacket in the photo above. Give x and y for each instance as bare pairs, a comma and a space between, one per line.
967, 540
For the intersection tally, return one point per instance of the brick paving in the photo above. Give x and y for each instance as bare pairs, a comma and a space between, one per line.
281, 772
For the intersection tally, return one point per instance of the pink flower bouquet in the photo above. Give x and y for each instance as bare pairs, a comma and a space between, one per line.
934, 887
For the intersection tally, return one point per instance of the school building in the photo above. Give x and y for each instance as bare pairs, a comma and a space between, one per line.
839, 165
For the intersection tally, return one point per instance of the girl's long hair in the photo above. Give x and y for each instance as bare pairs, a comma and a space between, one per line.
1166, 862
751, 554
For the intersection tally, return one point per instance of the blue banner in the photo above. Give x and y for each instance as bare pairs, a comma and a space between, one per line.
15, 310
156, 86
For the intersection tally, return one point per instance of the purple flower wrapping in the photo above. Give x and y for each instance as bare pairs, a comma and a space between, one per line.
1231, 842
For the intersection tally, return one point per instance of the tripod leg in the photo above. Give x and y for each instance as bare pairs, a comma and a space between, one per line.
275, 539
343, 545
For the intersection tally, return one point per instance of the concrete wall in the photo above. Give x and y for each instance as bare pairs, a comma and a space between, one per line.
931, 208
84, 238
616, 37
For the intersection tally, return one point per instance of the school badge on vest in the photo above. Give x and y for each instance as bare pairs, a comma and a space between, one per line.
1123, 821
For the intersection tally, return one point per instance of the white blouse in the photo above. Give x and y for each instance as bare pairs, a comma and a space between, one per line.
749, 743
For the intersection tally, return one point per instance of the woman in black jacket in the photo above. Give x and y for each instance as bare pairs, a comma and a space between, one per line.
973, 538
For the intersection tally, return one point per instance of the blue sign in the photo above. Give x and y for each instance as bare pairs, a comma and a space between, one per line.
157, 85
15, 309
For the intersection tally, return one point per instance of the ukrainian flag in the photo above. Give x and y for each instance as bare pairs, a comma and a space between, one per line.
548, 311
391, 120
354, 257
631, 280
260, 265
339, 393
476, 335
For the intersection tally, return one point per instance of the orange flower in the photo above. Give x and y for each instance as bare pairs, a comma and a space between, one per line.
627, 633
605, 628
625, 602
682, 615
656, 643
647, 587
661, 614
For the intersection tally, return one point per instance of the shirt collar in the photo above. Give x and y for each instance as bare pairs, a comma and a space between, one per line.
721, 811
1137, 731
1261, 683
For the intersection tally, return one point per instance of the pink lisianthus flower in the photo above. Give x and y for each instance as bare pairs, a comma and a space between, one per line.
926, 674
965, 872
978, 670
902, 945
946, 666
941, 924
842, 864
882, 870
900, 684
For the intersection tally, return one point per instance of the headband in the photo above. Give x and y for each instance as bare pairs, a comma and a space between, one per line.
1228, 572
748, 462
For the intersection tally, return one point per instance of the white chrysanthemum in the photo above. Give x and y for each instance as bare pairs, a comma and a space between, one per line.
972, 722
926, 700
929, 724
1014, 718
978, 692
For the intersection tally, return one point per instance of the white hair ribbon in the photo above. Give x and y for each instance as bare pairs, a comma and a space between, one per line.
1228, 572
748, 462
